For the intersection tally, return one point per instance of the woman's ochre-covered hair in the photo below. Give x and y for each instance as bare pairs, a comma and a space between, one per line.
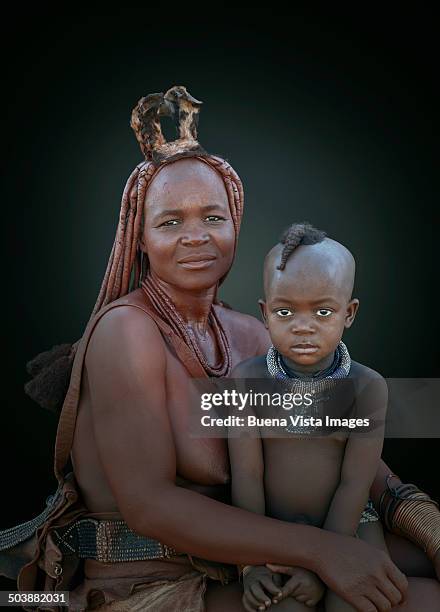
127, 266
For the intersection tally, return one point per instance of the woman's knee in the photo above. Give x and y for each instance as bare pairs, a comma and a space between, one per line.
408, 557
423, 594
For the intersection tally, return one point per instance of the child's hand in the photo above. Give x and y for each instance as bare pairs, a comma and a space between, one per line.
304, 586
260, 587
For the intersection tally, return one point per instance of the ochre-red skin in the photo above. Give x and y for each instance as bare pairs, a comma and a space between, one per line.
131, 441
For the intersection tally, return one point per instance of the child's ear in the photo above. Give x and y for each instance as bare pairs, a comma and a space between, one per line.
262, 305
352, 309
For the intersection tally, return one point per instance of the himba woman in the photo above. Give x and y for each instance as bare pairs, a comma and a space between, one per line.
152, 520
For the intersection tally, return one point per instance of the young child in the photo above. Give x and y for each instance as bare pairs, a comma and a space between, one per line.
323, 481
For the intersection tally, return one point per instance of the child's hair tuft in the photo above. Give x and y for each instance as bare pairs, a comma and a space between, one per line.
294, 236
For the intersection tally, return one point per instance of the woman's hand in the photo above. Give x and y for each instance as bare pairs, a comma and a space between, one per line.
363, 576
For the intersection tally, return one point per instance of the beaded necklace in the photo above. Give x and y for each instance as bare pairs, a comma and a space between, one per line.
169, 313
315, 385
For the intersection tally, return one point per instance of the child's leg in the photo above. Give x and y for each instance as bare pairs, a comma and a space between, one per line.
368, 532
333, 603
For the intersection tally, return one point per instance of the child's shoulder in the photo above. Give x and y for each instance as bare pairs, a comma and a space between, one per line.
367, 378
359, 370
254, 367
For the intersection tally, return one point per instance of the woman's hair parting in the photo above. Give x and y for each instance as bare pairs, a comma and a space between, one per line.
127, 265
296, 235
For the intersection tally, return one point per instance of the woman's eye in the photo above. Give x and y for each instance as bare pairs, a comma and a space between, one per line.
214, 218
324, 312
170, 223
284, 312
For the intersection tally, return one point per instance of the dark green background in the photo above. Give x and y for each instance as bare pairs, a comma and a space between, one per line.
328, 118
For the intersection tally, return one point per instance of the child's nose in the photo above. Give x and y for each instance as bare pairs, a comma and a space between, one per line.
302, 324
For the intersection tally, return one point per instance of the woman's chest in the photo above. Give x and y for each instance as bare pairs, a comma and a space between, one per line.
199, 458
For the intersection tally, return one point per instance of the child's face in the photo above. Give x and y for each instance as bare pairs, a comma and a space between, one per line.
307, 308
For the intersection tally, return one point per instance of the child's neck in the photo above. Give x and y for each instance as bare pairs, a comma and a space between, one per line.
317, 370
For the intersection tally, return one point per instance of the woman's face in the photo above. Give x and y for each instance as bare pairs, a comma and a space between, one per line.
188, 232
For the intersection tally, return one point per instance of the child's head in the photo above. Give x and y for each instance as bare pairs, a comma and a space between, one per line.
308, 283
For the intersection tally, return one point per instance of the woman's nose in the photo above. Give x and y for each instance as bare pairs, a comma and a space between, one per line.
195, 236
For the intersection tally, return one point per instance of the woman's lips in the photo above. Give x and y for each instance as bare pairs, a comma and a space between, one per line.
304, 349
197, 262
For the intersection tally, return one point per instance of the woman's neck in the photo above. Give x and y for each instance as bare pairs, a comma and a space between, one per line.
193, 306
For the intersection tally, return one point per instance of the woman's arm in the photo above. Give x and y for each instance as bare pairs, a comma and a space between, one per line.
126, 366
400, 549
379, 484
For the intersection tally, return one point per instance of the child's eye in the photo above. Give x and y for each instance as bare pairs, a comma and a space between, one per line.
324, 312
214, 218
284, 312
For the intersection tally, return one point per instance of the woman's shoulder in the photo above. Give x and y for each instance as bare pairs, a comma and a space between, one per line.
125, 326
132, 307
238, 319
254, 367
242, 326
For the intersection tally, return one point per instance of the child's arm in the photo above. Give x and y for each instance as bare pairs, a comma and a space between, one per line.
247, 468
247, 492
361, 458
246, 455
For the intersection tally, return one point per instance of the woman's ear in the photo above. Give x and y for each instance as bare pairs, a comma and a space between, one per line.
141, 244
262, 305
352, 309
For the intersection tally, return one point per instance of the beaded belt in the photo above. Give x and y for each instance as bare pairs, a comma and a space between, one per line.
108, 541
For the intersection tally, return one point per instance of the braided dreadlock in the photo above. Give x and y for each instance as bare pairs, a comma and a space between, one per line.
127, 267
294, 236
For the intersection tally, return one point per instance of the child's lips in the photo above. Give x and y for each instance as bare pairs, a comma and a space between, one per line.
304, 348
